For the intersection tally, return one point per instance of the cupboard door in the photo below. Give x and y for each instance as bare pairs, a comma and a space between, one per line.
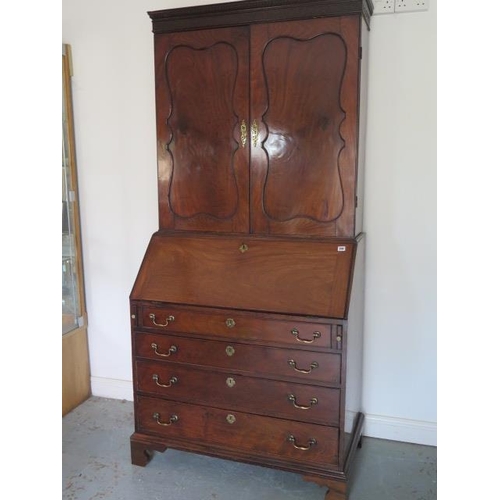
201, 106
304, 97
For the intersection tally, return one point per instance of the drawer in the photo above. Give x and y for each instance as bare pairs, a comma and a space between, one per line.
307, 366
259, 435
236, 325
307, 403
252, 273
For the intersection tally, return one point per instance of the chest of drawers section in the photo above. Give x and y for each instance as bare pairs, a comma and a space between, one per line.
248, 386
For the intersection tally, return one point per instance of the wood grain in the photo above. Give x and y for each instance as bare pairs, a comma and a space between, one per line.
259, 434
286, 276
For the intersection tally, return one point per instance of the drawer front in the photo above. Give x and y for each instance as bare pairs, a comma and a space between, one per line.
263, 436
300, 277
307, 366
235, 325
307, 403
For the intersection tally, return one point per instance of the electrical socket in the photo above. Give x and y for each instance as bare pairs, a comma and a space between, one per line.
411, 5
383, 6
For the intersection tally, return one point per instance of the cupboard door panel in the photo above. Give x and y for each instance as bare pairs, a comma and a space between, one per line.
202, 100
303, 102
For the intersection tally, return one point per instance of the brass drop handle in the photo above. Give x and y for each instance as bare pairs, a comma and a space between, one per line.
171, 350
171, 382
292, 399
291, 439
293, 364
167, 321
295, 333
243, 248
230, 350
243, 130
230, 323
255, 133
171, 420
231, 419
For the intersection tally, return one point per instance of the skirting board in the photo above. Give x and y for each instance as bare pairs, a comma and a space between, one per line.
376, 426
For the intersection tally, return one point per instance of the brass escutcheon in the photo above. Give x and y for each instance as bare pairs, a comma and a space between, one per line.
230, 350
243, 248
230, 382
243, 130
230, 323
231, 419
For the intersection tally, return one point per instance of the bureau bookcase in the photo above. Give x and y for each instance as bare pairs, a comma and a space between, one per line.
246, 312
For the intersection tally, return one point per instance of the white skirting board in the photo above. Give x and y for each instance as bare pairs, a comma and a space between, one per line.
376, 426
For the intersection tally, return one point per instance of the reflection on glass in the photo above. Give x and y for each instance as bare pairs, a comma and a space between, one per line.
71, 311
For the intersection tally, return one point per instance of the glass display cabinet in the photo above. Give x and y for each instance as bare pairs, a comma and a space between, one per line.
75, 357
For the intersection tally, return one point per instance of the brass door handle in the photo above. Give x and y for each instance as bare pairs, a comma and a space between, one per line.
172, 419
243, 130
292, 399
171, 382
291, 439
171, 350
293, 364
295, 333
167, 321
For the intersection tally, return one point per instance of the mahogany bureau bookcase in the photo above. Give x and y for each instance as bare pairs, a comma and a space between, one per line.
246, 313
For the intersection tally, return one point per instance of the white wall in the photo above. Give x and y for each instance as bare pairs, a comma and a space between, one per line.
113, 89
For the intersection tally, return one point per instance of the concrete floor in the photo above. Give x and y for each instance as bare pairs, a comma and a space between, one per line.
96, 465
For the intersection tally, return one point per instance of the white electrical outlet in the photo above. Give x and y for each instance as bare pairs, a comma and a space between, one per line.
383, 6
411, 5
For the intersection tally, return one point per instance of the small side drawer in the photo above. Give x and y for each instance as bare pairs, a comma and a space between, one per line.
307, 403
259, 435
307, 366
296, 331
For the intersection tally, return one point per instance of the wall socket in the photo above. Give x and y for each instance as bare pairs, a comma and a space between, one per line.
411, 5
383, 6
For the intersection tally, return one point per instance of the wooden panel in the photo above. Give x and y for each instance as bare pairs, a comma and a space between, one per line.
263, 361
285, 276
304, 100
261, 435
202, 98
232, 325
75, 369
244, 393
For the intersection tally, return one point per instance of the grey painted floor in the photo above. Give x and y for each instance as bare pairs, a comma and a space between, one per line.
96, 465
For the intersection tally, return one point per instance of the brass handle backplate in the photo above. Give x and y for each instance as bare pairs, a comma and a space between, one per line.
243, 248
230, 323
291, 439
292, 399
295, 333
293, 364
230, 350
169, 319
171, 350
231, 419
255, 133
243, 130
230, 382
171, 420
171, 382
